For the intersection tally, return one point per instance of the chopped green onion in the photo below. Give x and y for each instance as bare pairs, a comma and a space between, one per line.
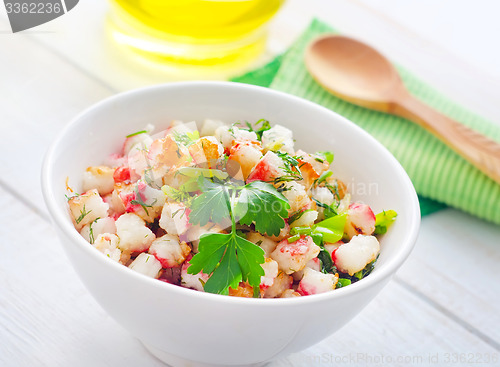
294, 238
328, 156
323, 177
137, 133
384, 220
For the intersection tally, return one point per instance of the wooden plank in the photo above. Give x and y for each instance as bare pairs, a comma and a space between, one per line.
40, 95
397, 329
49, 319
455, 265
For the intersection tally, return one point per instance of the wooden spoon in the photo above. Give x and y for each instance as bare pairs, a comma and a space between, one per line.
357, 73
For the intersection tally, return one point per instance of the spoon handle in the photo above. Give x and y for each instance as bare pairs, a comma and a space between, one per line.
478, 149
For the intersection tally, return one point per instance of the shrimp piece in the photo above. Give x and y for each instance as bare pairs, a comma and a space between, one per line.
278, 138
269, 167
169, 252
281, 283
292, 257
133, 233
353, 256
247, 154
146, 264
193, 281
100, 178
97, 227
315, 282
86, 208
174, 218
360, 220
265, 243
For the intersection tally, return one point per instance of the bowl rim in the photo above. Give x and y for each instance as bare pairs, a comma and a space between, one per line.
58, 217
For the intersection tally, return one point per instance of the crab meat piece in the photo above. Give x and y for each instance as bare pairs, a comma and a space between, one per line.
315, 162
306, 219
209, 126
281, 283
284, 232
86, 208
353, 256
360, 220
290, 293
100, 178
270, 273
278, 138
244, 290
323, 195
247, 154
107, 243
121, 174
292, 257
141, 199
226, 134
166, 153
133, 233
97, 227
331, 247
194, 233
341, 187
206, 151
314, 264
169, 251
174, 218
193, 281
315, 282
265, 243
146, 264
142, 139
297, 197
344, 204
269, 167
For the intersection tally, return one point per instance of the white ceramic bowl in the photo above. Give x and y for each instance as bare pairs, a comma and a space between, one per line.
184, 327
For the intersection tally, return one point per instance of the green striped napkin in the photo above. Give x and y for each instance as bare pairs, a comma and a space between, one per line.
440, 176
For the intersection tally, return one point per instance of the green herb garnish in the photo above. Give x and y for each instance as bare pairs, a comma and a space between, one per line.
265, 125
140, 201
327, 156
383, 220
329, 211
91, 231
83, 214
230, 258
187, 138
137, 133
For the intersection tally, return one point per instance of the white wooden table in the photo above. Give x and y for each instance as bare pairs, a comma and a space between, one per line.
442, 308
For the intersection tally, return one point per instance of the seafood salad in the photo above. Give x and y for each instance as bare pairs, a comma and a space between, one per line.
228, 209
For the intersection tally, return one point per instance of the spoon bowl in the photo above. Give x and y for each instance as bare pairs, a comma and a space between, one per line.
357, 73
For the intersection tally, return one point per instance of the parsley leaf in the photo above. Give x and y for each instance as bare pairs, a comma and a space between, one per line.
265, 125
260, 203
230, 258
212, 204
